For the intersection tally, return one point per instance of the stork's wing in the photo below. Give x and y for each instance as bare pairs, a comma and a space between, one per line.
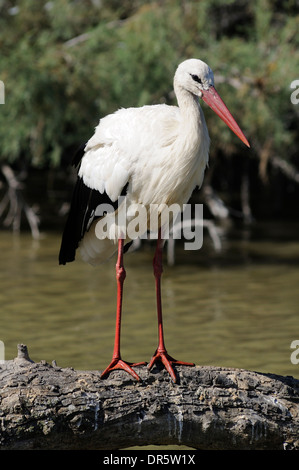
126, 142
82, 213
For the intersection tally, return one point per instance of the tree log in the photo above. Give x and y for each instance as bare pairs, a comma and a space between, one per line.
43, 406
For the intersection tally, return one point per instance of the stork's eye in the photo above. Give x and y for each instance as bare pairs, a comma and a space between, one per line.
196, 78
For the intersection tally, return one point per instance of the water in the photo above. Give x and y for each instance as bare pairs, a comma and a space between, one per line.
238, 308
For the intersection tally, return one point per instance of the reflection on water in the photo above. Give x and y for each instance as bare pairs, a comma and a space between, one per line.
236, 309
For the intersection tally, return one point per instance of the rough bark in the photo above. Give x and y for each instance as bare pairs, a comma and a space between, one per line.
43, 406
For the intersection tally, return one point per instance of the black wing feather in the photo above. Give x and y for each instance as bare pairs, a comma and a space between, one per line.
82, 212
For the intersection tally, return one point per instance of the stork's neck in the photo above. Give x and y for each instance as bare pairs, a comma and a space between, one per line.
193, 125
188, 103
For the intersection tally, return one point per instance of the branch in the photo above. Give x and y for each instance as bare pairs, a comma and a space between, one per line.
177, 228
287, 168
14, 202
47, 407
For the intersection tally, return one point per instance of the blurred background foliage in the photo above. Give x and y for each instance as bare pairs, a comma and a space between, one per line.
67, 63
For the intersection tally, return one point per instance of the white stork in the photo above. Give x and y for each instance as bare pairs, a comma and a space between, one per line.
151, 155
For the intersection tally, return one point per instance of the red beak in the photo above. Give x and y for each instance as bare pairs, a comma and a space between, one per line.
214, 101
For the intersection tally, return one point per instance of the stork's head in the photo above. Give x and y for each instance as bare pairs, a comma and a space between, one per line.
197, 77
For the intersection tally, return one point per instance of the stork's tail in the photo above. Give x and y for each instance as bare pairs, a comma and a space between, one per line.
80, 225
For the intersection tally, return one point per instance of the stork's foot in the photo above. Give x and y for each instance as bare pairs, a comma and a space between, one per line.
118, 363
167, 361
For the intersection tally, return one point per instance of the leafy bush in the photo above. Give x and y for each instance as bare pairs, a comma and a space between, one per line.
66, 63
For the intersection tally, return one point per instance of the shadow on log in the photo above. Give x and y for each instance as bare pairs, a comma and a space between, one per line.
44, 406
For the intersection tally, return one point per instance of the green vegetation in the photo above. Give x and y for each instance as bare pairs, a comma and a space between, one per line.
66, 63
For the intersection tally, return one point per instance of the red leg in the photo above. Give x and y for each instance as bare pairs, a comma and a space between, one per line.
161, 353
117, 362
